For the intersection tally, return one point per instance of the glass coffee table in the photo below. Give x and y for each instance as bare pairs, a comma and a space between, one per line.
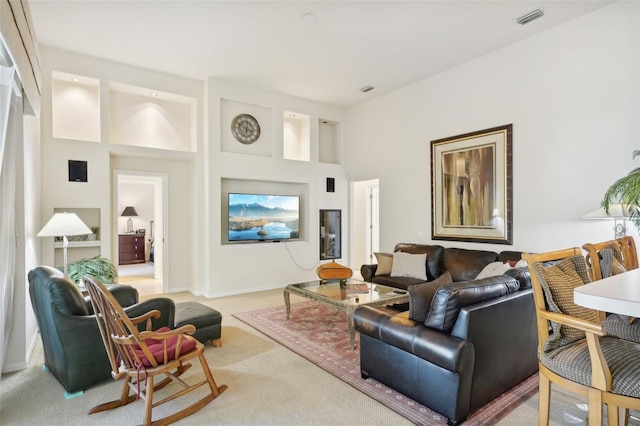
346, 297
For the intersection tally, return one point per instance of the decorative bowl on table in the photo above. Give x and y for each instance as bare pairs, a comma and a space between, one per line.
333, 271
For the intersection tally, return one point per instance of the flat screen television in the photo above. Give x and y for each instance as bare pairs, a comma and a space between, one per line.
262, 217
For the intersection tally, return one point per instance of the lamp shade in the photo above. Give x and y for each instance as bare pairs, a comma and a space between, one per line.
129, 211
64, 224
618, 211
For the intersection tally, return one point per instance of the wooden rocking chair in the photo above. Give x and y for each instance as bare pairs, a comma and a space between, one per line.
140, 356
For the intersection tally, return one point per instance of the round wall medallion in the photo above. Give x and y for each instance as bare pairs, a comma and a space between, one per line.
245, 128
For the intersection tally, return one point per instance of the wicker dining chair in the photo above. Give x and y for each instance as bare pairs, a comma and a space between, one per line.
139, 357
625, 257
574, 351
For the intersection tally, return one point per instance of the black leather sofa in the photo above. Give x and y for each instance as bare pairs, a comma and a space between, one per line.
463, 264
73, 349
479, 340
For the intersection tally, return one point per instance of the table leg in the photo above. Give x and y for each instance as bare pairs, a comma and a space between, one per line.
352, 329
287, 302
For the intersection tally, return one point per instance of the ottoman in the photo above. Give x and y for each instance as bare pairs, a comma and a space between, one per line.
206, 320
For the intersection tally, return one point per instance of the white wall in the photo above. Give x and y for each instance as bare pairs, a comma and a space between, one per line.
104, 157
573, 96
240, 268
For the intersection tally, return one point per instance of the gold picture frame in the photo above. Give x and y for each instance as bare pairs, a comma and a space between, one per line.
471, 187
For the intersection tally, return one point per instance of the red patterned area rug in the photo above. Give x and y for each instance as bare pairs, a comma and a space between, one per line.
319, 334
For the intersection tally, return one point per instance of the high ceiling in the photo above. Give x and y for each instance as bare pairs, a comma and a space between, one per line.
324, 51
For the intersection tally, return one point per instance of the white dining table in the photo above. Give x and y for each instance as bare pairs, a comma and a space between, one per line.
618, 294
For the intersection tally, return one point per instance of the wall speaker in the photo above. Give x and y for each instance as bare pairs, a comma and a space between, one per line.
77, 171
331, 185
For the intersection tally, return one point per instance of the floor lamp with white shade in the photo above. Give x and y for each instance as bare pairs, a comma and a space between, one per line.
63, 225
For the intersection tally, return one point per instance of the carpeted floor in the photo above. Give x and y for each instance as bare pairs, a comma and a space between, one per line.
268, 385
319, 334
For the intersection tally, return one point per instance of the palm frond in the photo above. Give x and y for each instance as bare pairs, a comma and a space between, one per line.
626, 191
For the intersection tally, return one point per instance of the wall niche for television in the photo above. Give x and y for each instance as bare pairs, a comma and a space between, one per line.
259, 212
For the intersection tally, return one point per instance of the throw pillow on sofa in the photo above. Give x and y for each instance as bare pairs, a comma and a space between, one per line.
498, 268
420, 296
493, 269
385, 260
409, 265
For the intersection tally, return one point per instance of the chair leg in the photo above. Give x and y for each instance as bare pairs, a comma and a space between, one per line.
544, 400
612, 415
216, 342
594, 397
207, 372
148, 403
125, 398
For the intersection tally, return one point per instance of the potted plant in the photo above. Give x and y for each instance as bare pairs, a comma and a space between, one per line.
626, 191
97, 266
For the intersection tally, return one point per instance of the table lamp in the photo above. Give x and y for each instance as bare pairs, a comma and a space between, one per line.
617, 212
129, 212
62, 225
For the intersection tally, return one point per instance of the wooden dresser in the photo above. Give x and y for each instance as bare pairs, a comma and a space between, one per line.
131, 248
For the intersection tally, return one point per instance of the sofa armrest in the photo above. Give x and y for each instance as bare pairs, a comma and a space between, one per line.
166, 307
368, 271
522, 275
503, 332
126, 295
434, 346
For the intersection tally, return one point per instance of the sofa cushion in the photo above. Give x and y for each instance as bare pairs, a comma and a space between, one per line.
420, 296
450, 298
464, 264
397, 282
385, 260
409, 265
434, 257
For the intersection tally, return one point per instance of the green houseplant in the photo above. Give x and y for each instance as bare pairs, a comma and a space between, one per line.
97, 266
626, 191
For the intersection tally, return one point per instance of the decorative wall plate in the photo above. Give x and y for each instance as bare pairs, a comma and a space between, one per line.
245, 128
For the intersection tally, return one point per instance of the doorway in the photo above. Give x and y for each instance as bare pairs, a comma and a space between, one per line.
366, 229
140, 215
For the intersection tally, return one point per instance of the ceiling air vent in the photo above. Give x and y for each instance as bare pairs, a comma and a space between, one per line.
528, 17
366, 89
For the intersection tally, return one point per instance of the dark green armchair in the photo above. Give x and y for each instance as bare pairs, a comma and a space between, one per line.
73, 348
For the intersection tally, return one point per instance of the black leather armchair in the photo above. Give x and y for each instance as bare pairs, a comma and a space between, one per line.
73, 348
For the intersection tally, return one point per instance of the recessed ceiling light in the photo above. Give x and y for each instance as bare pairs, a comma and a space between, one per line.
366, 89
531, 16
292, 116
75, 79
309, 16
154, 94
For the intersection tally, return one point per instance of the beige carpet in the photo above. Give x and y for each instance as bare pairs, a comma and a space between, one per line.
268, 385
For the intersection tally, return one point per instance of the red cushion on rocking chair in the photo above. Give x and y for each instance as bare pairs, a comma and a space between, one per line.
156, 347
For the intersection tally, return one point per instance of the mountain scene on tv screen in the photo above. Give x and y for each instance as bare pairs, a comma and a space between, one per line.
257, 221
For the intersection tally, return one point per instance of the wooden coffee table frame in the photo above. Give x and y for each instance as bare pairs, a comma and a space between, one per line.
385, 296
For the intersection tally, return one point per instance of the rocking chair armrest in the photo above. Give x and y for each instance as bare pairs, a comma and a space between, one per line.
185, 329
146, 317
580, 324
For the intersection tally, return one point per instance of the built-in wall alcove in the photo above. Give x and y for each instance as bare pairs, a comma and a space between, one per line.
80, 246
75, 107
296, 136
240, 118
329, 141
294, 195
153, 119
